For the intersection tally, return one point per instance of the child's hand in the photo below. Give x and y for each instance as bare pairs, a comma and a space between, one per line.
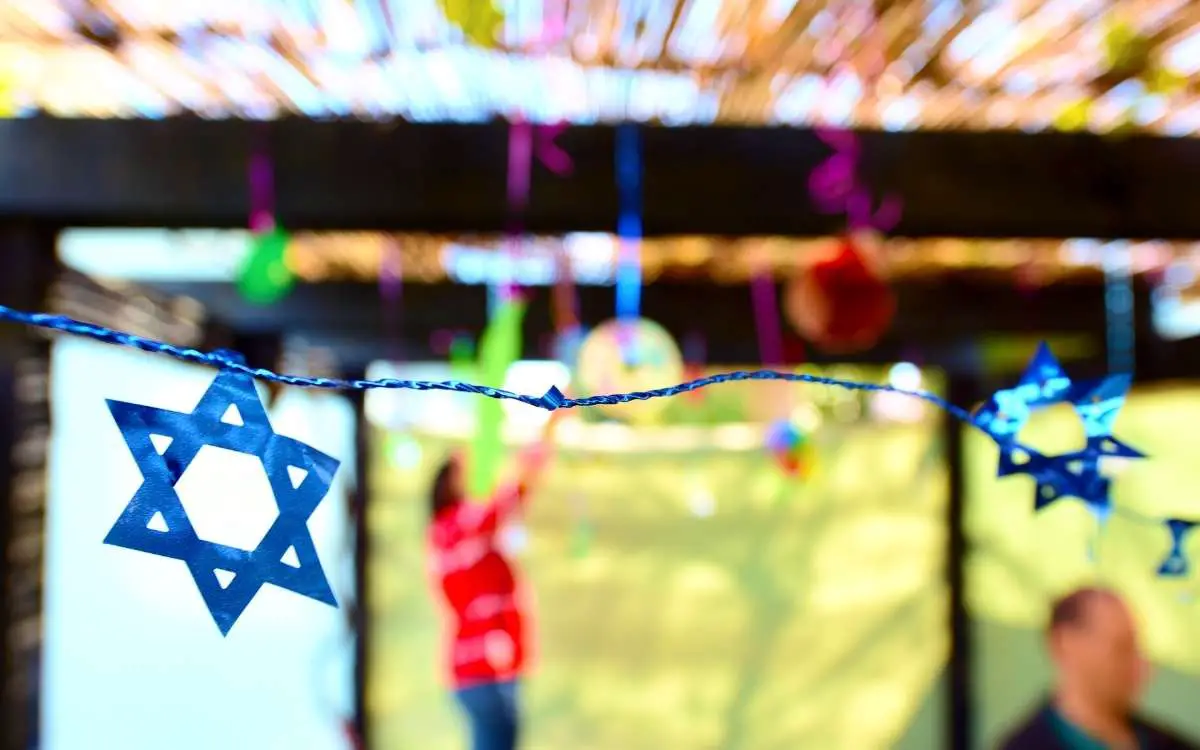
536, 456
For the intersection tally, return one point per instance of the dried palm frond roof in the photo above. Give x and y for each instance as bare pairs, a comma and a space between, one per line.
893, 64
215, 255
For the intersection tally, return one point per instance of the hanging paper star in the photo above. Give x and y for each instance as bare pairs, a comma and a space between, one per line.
230, 416
1176, 564
1076, 474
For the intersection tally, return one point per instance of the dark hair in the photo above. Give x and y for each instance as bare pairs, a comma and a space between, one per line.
1071, 610
442, 494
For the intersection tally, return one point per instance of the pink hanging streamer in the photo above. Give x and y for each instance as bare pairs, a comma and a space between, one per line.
766, 315
391, 284
527, 142
835, 187
262, 186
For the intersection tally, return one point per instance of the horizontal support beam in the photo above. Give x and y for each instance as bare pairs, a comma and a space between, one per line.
352, 319
699, 180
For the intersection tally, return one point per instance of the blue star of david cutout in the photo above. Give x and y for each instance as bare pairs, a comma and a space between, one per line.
1077, 474
1176, 563
139, 528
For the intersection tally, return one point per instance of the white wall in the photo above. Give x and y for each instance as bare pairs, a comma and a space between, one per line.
132, 658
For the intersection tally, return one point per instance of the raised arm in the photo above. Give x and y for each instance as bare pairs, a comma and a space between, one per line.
510, 497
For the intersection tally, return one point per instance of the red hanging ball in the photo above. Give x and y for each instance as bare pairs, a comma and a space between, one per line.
842, 303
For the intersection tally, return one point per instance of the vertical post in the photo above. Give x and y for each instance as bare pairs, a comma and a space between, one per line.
959, 698
358, 507
30, 269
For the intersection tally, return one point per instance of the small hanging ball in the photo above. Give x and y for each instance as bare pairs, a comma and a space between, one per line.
790, 447
842, 303
620, 356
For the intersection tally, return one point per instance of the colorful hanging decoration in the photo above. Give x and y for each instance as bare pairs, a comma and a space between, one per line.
629, 227
766, 319
843, 303
1176, 564
230, 415
1076, 474
391, 288
265, 277
791, 448
568, 332
835, 188
499, 347
461, 352
629, 356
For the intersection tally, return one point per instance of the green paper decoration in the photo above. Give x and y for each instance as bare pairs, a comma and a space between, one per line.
478, 20
499, 347
265, 277
462, 358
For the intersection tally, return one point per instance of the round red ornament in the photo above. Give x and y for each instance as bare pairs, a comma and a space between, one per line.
842, 303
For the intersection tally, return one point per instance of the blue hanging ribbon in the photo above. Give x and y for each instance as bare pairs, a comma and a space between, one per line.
629, 221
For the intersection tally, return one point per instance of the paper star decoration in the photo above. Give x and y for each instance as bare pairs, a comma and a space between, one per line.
213, 422
1176, 564
1076, 474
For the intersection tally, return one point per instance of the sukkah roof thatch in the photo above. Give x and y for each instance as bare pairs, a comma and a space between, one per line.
893, 64
359, 256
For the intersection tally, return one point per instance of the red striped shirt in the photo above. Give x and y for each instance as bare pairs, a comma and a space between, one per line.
480, 588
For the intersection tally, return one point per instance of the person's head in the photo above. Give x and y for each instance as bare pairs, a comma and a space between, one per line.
447, 489
1093, 642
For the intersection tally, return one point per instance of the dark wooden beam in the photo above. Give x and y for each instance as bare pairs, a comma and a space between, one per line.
351, 318
699, 180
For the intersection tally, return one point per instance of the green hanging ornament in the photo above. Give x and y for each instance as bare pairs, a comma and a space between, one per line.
265, 277
462, 358
499, 347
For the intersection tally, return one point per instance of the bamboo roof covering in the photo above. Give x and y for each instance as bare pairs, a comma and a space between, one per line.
594, 258
887, 64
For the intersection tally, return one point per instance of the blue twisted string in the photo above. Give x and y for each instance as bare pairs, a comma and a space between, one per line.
551, 400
